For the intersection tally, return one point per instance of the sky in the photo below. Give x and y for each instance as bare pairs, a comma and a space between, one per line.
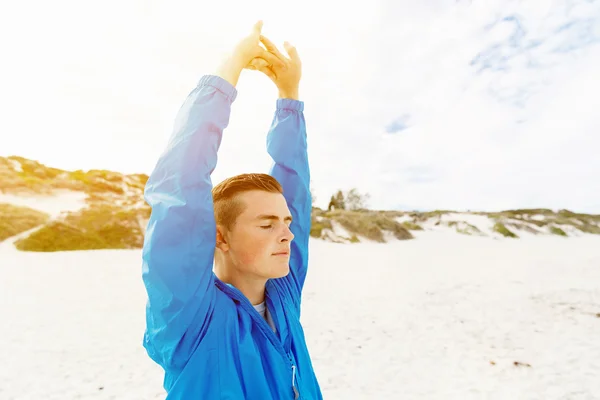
436, 104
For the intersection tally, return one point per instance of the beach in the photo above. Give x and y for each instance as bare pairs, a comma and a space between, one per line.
443, 316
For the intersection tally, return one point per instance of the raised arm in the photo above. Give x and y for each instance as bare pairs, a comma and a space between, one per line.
180, 239
286, 143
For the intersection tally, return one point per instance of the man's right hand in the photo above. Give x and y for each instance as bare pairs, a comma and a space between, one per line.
247, 49
287, 76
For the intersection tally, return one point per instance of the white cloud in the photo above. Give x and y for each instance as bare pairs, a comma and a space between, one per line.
519, 137
98, 88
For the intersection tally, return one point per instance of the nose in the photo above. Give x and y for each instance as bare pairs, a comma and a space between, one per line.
287, 236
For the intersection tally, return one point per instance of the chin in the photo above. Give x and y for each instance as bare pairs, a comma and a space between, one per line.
280, 271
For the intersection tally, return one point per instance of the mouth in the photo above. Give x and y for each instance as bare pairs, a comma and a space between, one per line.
282, 253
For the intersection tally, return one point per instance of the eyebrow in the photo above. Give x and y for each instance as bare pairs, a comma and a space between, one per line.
274, 217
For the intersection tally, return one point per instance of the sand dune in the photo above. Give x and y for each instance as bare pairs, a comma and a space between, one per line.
61, 201
442, 317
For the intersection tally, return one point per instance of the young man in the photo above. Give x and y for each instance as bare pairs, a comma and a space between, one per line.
233, 333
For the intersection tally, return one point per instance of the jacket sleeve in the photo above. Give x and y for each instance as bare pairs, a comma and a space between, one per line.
287, 146
179, 244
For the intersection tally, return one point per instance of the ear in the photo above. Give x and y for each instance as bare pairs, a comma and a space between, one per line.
221, 240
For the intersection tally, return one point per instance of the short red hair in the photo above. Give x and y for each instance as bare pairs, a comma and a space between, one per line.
226, 204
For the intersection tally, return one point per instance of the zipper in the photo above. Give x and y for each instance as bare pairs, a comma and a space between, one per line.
295, 378
296, 394
265, 328
287, 345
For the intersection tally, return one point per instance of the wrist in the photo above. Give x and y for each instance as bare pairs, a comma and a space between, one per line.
230, 70
292, 94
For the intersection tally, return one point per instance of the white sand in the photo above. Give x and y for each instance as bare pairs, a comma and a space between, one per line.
54, 204
420, 319
481, 222
404, 218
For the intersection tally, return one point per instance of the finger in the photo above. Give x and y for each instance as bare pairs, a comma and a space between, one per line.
269, 72
291, 50
257, 63
272, 59
258, 27
271, 47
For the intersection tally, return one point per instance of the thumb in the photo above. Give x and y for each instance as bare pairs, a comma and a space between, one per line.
269, 73
258, 63
291, 50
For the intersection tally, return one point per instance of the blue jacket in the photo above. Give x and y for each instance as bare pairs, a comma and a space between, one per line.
206, 335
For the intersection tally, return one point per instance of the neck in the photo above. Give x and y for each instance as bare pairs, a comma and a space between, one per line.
251, 287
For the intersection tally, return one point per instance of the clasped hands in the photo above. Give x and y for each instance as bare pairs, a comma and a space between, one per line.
284, 71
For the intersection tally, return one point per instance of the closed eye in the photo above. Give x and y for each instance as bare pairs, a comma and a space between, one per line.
267, 226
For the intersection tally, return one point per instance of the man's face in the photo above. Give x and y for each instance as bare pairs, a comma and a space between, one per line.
260, 232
